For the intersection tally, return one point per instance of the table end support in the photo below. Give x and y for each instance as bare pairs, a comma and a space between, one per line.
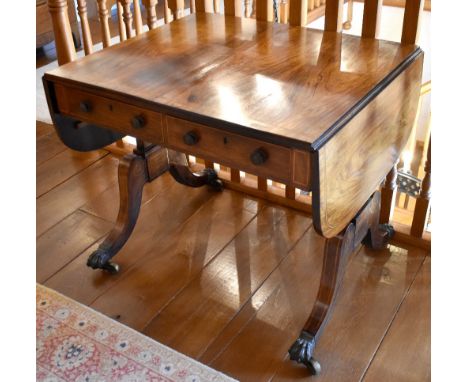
364, 228
134, 171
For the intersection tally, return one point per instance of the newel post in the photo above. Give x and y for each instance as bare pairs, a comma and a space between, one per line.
62, 31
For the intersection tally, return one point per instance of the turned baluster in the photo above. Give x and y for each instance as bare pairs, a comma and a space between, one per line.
246, 8
233, 7
411, 21
347, 24
83, 12
127, 17
298, 12
167, 13
334, 15
104, 21
202, 6
310, 5
283, 11
388, 196
371, 18
138, 22
216, 6
151, 17
122, 34
177, 8
62, 31
254, 8
421, 210
264, 10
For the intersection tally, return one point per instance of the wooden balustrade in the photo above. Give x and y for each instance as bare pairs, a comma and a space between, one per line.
411, 212
411, 24
421, 210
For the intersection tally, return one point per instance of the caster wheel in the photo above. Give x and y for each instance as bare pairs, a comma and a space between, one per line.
213, 181
216, 185
112, 268
99, 259
384, 233
313, 366
389, 230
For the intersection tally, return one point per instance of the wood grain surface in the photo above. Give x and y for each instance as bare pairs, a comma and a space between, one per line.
411, 330
352, 165
286, 84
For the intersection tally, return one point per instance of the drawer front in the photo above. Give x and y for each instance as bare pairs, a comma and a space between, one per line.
119, 116
257, 157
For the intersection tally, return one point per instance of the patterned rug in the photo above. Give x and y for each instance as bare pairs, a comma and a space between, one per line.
76, 343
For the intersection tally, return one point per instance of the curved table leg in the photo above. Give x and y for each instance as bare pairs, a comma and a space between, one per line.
336, 253
180, 171
133, 175
365, 227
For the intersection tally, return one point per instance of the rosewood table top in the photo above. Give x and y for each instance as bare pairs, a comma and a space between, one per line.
290, 85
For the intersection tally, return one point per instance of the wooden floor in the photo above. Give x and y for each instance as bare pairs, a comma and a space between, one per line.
225, 278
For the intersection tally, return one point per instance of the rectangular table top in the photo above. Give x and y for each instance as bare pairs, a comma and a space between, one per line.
297, 86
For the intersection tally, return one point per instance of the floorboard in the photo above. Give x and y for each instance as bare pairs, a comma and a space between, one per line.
158, 217
374, 286
173, 260
47, 146
411, 332
65, 241
201, 311
66, 198
63, 166
106, 204
43, 129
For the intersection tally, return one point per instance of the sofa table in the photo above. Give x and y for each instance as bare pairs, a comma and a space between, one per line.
319, 111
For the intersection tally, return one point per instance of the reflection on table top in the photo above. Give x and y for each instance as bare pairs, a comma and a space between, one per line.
295, 83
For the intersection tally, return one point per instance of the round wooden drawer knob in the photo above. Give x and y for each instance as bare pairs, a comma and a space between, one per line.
259, 156
85, 106
191, 138
138, 122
